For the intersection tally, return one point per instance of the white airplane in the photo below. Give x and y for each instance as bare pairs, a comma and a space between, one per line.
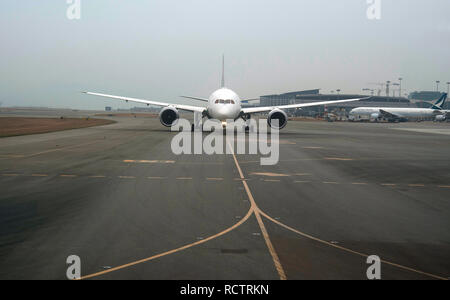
396, 114
222, 105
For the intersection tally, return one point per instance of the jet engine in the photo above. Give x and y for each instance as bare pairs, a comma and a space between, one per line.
168, 116
441, 118
277, 114
374, 117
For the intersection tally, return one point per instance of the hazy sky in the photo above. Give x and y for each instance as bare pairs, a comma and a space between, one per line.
162, 49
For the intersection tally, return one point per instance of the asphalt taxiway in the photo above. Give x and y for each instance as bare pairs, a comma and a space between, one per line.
117, 197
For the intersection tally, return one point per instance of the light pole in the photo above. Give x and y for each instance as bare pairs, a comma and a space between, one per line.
369, 90
437, 85
393, 91
400, 80
387, 87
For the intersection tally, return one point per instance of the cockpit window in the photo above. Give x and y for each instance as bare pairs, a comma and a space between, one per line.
229, 101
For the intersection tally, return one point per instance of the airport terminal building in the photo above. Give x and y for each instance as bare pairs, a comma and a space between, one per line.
315, 96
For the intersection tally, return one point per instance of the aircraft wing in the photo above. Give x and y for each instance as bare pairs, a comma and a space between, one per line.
300, 105
149, 102
196, 98
387, 114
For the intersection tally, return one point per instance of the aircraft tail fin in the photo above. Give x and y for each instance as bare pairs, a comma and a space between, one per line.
223, 71
441, 101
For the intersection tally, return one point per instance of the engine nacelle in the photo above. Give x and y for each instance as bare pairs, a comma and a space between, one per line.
441, 118
280, 115
168, 116
374, 116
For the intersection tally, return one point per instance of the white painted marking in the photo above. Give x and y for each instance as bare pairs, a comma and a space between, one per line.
424, 130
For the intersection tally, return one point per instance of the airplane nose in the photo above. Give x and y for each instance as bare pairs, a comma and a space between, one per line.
224, 111
220, 112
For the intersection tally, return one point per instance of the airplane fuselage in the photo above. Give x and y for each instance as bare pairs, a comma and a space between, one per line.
224, 104
360, 112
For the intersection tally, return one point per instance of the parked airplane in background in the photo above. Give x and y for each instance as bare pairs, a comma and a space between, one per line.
445, 114
399, 114
222, 105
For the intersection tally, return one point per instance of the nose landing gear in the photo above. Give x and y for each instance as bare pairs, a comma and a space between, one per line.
246, 118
